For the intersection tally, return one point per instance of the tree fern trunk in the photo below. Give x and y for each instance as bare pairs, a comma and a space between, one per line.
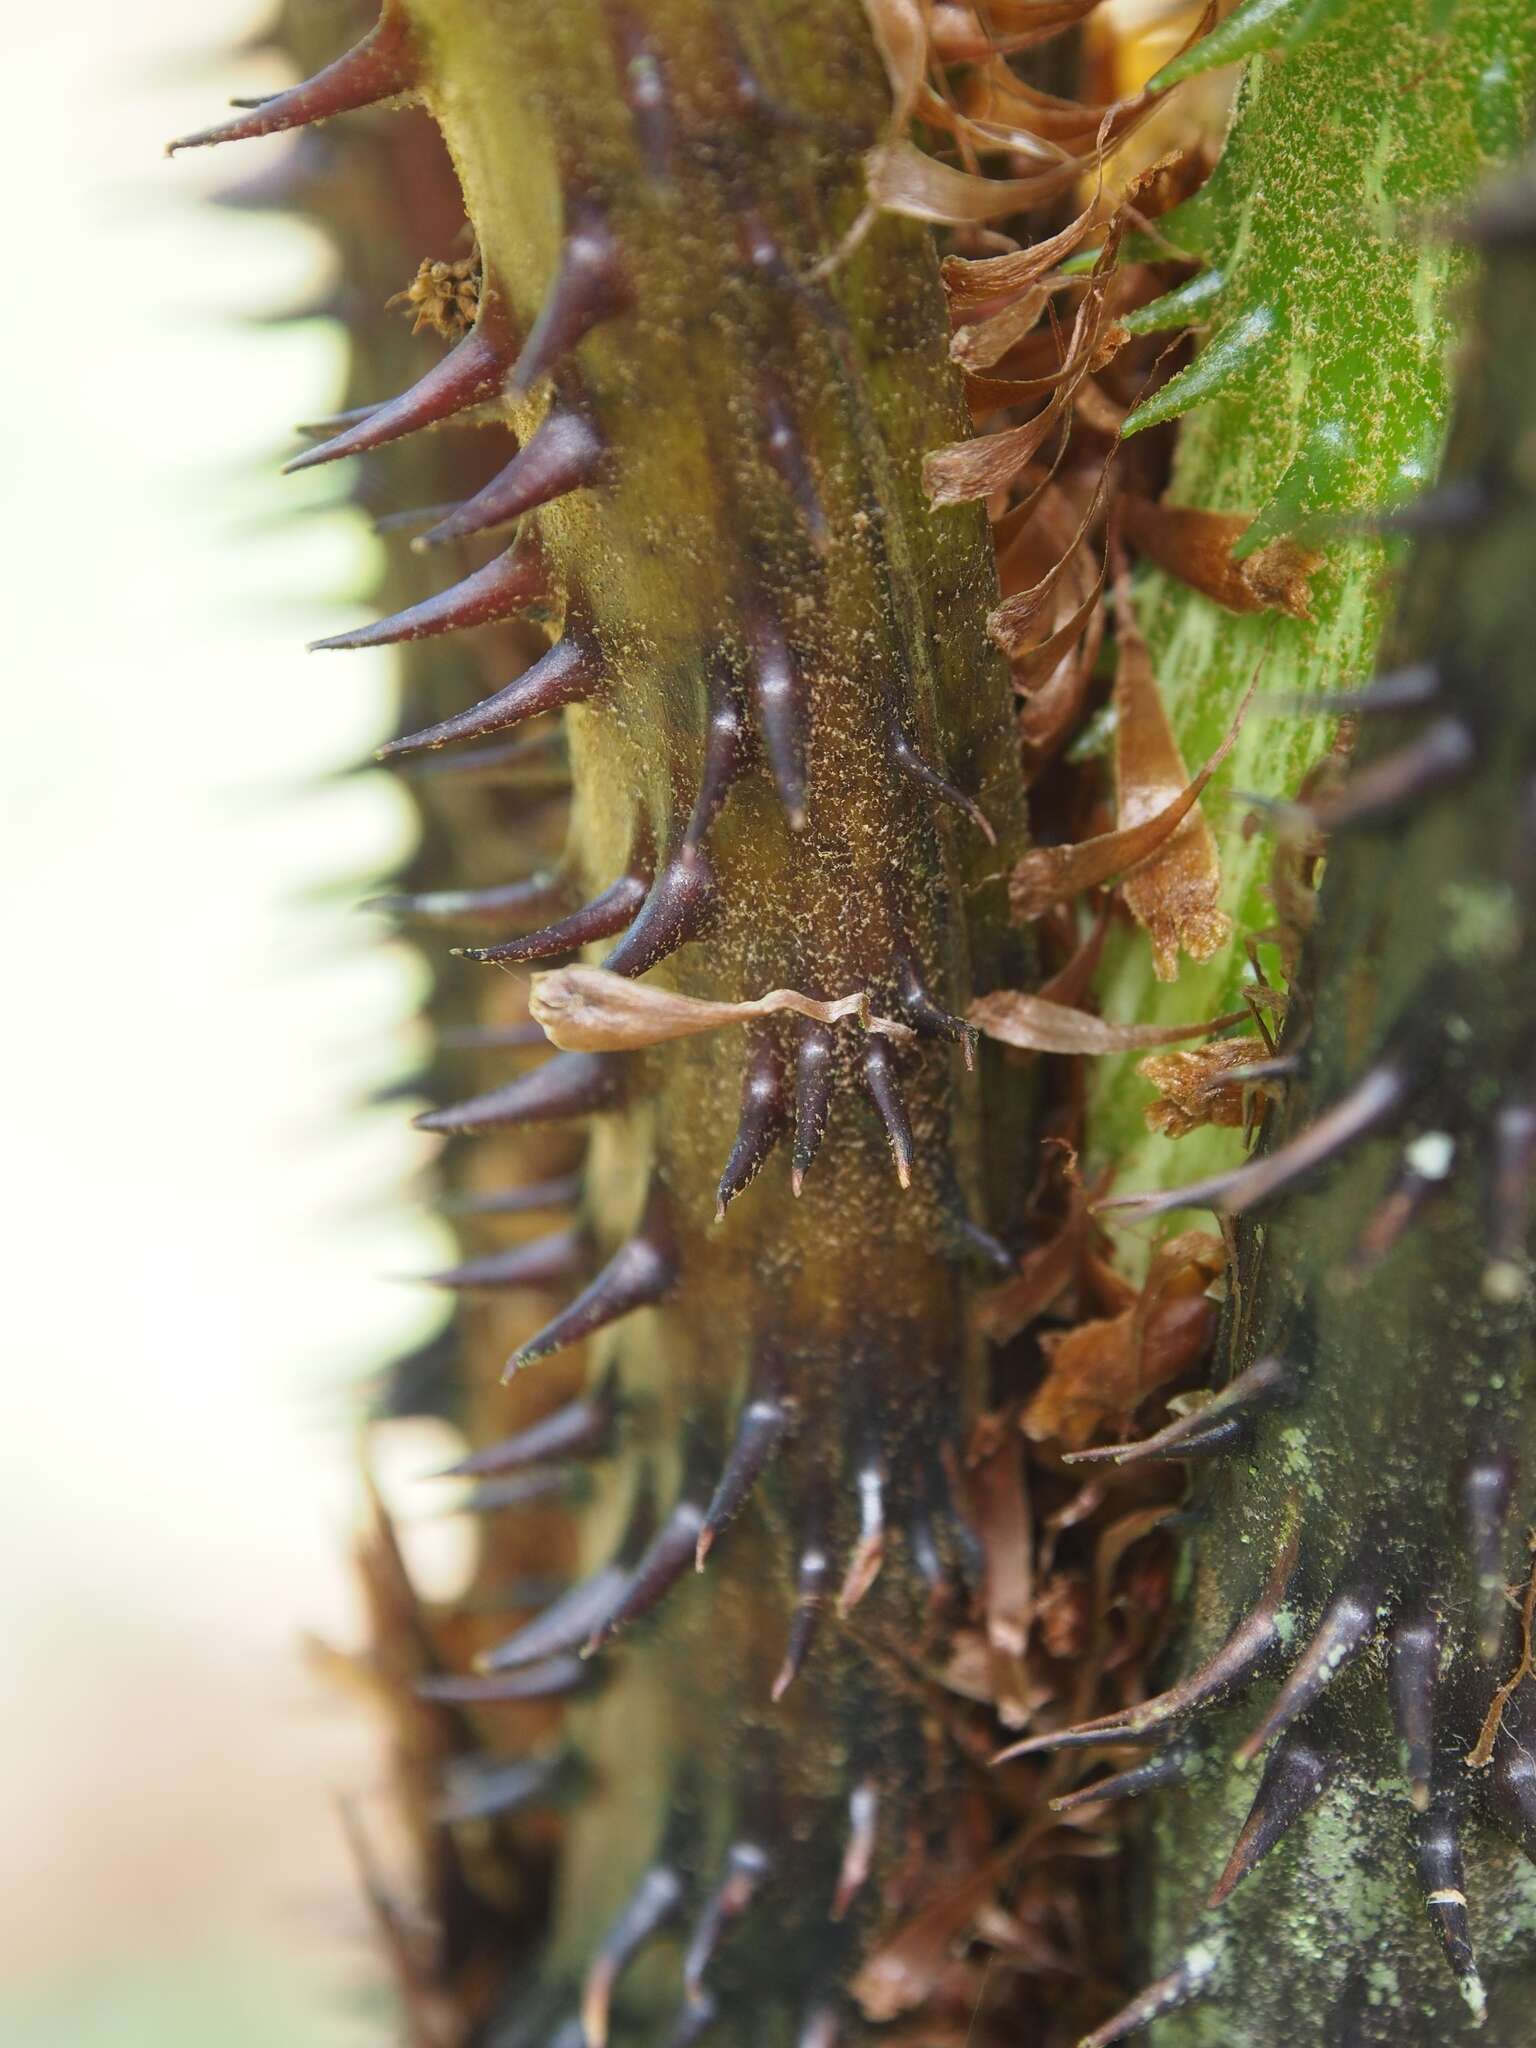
791, 760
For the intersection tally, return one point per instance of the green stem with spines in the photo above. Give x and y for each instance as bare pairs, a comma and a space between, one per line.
1319, 394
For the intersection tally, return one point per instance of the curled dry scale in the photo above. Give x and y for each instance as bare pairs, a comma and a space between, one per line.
890, 516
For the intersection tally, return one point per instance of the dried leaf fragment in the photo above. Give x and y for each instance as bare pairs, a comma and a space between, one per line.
1175, 895
1102, 1371
1035, 1024
1049, 874
1193, 1088
996, 1491
587, 1009
992, 462
902, 180
1196, 546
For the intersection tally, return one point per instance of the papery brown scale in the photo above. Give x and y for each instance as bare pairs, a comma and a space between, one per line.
1048, 874
996, 1489
1103, 1370
980, 344
1055, 535
1193, 1088
903, 180
1175, 894
1039, 663
978, 281
958, 34
975, 469
1032, 1023
1196, 546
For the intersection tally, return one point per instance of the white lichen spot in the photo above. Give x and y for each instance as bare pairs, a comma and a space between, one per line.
1477, 1998
1483, 922
1431, 1155
1201, 1960
1504, 1282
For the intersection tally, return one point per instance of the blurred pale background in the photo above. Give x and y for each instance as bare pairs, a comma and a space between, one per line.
197, 1214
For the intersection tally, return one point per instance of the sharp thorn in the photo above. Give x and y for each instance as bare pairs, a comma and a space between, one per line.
564, 454
786, 453
1410, 1190
569, 1085
1413, 1675
682, 906
481, 1787
1460, 505
1347, 1626
541, 1194
642, 1272
527, 898
725, 751
746, 1865
1512, 1782
1250, 1647
569, 673
333, 422
590, 285
1487, 1487
578, 1429
1442, 753
381, 67
1215, 1442
869, 1550
1401, 690
814, 1067
500, 590
467, 376
540, 760
1264, 1383
665, 1561
654, 1901
1373, 1101
518, 1490
555, 1679
1179, 1988
885, 1093
564, 1626
1442, 1878
1295, 1778
600, 919
813, 1572
1172, 1765
1509, 1188
906, 757
925, 1016
781, 701
765, 1421
859, 1849
765, 1117
544, 1262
